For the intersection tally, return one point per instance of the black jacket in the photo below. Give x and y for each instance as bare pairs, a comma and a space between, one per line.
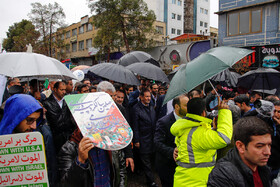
231, 171
60, 120
160, 109
71, 174
273, 161
164, 145
144, 122
128, 149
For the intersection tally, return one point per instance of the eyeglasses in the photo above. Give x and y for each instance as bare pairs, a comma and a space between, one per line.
30, 121
277, 111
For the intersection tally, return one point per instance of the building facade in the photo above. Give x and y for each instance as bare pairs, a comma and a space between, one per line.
171, 12
248, 23
197, 17
203, 17
252, 24
77, 40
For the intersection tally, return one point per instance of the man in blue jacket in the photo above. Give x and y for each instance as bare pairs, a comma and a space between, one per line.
165, 142
21, 114
144, 122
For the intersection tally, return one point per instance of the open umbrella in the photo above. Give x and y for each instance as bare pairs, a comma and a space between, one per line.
202, 68
226, 78
115, 72
22, 64
137, 56
261, 78
148, 71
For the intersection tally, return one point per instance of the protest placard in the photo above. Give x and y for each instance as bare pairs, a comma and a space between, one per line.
23, 160
99, 118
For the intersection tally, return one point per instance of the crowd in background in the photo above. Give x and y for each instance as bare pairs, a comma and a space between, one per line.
73, 161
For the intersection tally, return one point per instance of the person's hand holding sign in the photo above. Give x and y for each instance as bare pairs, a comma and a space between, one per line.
84, 147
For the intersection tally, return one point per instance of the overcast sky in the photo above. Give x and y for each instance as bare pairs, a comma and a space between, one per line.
12, 11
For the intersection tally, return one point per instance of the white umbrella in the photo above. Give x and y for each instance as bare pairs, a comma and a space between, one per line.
22, 64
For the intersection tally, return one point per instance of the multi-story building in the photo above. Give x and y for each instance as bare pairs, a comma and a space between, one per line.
172, 13
252, 24
197, 17
78, 42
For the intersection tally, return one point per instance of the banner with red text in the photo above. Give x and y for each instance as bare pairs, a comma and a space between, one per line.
23, 160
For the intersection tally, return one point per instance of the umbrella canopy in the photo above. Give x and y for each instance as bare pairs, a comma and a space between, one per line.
202, 68
261, 78
22, 64
115, 72
137, 56
226, 78
148, 71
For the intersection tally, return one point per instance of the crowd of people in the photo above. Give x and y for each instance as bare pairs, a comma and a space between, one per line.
212, 137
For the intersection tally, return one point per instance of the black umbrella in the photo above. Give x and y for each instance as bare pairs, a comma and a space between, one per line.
261, 78
137, 56
148, 71
115, 72
226, 78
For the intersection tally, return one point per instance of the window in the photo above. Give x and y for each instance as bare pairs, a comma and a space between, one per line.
89, 27
173, 16
74, 32
173, 31
205, 25
67, 48
244, 22
159, 29
179, 2
62, 36
201, 10
178, 32
89, 43
256, 20
68, 34
206, 11
174, 2
179, 17
74, 46
201, 23
81, 29
81, 45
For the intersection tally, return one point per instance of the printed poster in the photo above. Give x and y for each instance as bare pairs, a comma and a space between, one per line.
99, 118
23, 160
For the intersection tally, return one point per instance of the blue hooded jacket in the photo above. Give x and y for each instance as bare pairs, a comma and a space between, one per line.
17, 108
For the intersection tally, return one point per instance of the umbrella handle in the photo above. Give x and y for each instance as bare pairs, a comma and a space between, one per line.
213, 88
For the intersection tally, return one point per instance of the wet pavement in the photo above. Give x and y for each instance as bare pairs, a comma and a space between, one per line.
139, 180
